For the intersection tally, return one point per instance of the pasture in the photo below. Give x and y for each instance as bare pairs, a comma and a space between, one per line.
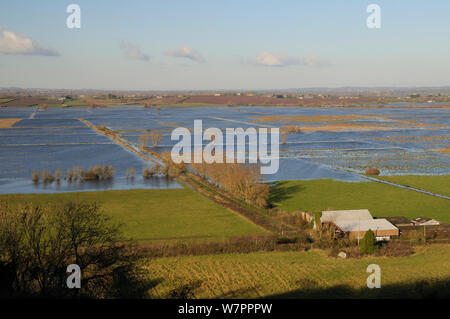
380, 199
158, 214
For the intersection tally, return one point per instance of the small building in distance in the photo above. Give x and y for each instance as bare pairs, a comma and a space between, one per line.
425, 221
357, 222
400, 221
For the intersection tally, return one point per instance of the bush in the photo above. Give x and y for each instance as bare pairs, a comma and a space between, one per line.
35, 177
149, 172
368, 244
372, 171
58, 175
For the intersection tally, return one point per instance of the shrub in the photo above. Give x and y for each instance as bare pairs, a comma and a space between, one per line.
98, 173
372, 171
149, 172
144, 139
58, 175
368, 244
50, 178
35, 177
156, 138
69, 175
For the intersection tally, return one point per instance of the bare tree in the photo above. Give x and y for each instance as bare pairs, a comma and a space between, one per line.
144, 139
37, 243
156, 138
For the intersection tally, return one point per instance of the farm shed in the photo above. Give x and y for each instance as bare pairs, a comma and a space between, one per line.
424, 221
400, 221
357, 222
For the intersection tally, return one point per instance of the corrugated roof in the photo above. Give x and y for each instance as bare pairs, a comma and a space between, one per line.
365, 225
335, 216
355, 220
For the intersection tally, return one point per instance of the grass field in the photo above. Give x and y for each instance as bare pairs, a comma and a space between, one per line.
380, 199
439, 184
299, 274
153, 215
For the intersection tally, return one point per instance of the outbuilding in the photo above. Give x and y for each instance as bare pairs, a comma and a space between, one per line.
357, 222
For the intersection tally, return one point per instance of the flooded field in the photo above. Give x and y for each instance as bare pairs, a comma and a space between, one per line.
329, 142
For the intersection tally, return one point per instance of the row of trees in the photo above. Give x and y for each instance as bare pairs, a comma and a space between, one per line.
243, 181
155, 137
98, 172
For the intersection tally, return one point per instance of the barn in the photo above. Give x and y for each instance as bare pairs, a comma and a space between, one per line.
357, 222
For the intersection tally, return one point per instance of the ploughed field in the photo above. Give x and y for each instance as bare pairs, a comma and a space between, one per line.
310, 274
322, 142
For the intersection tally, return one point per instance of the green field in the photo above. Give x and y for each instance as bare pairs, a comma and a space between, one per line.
439, 184
380, 199
300, 274
153, 215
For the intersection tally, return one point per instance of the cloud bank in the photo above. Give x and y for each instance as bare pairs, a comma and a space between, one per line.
281, 60
133, 51
185, 52
14, 43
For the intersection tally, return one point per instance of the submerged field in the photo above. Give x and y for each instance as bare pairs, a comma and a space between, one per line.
323, 142
381, 199
309, 274
159, 215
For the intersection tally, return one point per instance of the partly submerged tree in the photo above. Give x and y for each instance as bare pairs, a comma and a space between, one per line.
156, 138
144, 139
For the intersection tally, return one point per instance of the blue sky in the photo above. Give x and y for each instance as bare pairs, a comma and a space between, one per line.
190, 45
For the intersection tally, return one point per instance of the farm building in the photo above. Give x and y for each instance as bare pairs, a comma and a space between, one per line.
424, 221
400, 221
357, 222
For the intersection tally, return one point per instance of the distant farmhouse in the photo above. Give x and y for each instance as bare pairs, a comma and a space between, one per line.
356, 223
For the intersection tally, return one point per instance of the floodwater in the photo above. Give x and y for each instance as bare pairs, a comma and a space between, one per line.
397, 141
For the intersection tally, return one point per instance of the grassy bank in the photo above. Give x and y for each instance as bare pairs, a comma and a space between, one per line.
439, 184
159, 215
300, 274
380, 199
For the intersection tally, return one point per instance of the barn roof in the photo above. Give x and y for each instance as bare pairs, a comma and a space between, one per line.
355, 220
336, 216
365, 225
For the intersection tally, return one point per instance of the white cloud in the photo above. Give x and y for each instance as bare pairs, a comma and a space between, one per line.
133, 51
280, 60
314, 61
14, 43
274, 59
185, 52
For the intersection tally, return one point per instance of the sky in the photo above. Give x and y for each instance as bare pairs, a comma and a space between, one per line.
223, 45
